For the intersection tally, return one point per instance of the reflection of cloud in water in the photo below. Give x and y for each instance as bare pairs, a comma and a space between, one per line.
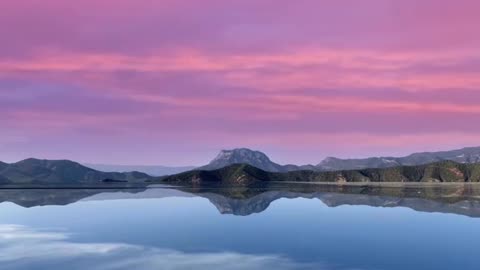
26, 248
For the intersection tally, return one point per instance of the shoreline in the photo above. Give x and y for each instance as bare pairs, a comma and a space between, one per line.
353, 184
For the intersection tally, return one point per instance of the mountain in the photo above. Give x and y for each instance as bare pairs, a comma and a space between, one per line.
59, 173
246, 175
254, 158
150, 170
244, 156
465, 155
262, 161
334, 164
244, 167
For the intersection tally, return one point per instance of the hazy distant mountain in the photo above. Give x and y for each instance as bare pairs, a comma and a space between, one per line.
465, 155
245, 175
150, 170
60, 172
254, 158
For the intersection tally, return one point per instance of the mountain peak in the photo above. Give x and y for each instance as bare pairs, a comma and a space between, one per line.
243, 156
329, 159
241, 153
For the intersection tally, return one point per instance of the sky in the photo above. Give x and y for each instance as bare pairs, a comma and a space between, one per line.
172, 82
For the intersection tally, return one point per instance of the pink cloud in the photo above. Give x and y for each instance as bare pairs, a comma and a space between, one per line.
204, 75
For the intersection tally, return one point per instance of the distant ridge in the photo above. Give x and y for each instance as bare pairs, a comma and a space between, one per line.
464, 155
150, 170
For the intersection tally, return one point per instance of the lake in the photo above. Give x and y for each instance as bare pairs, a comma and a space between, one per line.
301, 227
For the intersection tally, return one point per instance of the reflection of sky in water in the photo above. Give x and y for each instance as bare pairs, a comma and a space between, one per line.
25, 248
186, 233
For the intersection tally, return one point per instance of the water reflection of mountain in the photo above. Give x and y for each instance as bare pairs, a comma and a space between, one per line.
455, 199
260, 203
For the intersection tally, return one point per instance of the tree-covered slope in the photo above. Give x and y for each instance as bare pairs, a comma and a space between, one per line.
242, 174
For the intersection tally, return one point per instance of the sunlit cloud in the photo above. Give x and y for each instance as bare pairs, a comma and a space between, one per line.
186, 72
301, 68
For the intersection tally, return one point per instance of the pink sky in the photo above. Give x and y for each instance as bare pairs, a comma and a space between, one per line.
172, 82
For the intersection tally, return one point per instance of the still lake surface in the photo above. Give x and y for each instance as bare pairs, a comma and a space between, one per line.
166, 228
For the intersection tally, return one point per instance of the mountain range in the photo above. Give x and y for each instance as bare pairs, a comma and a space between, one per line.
246, 175
464, 155
244, 166
262, 161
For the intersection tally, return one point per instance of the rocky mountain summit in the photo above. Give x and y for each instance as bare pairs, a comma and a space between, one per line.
250, 157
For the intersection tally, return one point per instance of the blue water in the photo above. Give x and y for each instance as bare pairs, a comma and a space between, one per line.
182, 231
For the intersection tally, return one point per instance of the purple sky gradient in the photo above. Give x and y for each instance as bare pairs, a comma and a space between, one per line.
172, 82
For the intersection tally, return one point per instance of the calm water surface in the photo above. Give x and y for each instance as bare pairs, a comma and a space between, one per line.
164, 228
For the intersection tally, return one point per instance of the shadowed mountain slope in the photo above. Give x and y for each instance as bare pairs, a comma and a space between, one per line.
244, 175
